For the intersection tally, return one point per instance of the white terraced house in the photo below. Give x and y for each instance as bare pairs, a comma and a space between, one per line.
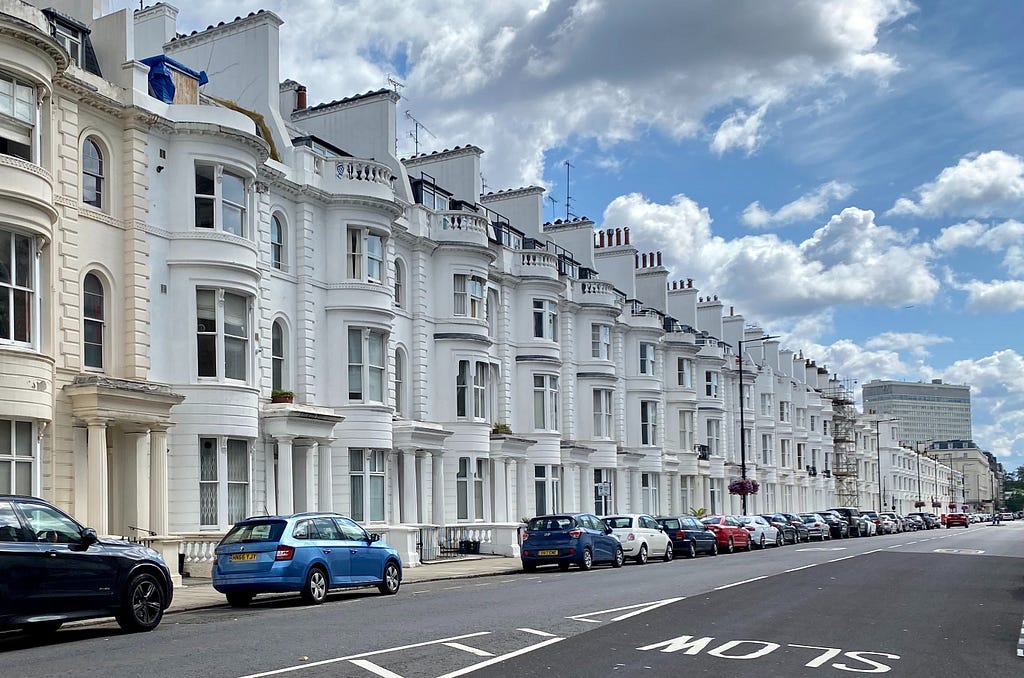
175, 247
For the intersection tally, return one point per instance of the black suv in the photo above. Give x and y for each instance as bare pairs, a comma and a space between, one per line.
54, 571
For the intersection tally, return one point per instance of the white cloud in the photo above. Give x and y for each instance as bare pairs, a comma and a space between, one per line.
956, 236
740, 130
807, 207
995, 296
915, 343
982, 185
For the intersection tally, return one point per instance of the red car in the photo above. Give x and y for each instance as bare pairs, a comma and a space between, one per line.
957, 519
729, 532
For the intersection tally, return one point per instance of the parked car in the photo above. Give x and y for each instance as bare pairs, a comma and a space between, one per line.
918, 522
852, 516
761, 531
898, 523
729, 532
54, 570
817, 528
802, 533
307, 553
689, 536
931, 521
874, 518
640, 537
785, 528
838, 528
957, 519
567, 539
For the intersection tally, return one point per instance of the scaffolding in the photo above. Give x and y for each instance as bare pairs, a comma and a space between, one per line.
844, 441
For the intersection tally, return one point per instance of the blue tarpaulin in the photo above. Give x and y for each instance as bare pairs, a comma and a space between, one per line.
160, 80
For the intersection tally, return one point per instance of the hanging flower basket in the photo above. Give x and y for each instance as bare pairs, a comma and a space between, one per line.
936, 504
744, 486
918, 504
952, 506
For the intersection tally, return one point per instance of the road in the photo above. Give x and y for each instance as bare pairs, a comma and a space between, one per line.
936, 603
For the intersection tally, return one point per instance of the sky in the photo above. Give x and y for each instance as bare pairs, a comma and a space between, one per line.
848, 174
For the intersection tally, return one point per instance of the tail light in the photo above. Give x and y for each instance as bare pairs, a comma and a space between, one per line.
526, 535
526, 553
631, 537
680, 534
284, 553
575, 534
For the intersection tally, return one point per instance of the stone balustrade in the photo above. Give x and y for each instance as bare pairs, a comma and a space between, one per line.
354, 169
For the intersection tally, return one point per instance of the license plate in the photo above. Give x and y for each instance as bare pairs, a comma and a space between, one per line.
548, 552
239, 557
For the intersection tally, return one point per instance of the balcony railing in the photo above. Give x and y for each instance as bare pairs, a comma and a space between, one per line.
365, 170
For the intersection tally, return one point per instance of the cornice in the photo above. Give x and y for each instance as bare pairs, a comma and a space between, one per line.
222, 29
23, 31
259, 147
86, 93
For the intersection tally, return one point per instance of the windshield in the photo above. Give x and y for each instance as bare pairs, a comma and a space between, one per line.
619, 522
269, 530
549, 523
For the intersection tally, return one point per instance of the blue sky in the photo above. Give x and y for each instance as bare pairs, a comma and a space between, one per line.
848, 174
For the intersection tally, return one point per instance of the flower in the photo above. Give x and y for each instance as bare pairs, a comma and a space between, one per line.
744, 486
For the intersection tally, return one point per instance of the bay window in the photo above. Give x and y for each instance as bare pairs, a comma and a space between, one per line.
602, 413
601, 341
364, 255
767, 450
603, 504
648, 422
222, 335
366, 368
687, 429
468, 296
684, 372
17, 117
17, 457
545, 402
711, 384
646, 358
545, 319
472, 390
649, 494
547, 488
220, 199
367, 480
223, 481
714, 431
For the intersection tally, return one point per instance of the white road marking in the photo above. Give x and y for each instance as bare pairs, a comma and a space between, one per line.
472, 650
875, 551
894, 546
375, 669
636, 609
372, 653
737, 583
802, 567
538, 633
836, 560
501, 658
821, 548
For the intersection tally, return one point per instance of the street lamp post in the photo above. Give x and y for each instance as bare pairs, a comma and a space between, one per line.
743, 429
878, 451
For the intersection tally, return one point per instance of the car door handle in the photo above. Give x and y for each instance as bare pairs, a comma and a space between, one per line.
353, 550
52, 553
326, 550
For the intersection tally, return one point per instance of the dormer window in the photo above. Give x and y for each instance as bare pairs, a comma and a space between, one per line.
70, 39
430, 195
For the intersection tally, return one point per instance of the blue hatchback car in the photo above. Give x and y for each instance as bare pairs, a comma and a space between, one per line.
569, 538
310, 553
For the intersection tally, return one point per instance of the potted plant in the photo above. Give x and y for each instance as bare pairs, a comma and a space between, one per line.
281, 396
918, 504
501, 429
744, 486
936, 504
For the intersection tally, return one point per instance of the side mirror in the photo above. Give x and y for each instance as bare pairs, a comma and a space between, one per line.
89, 537
607, 530
374, 537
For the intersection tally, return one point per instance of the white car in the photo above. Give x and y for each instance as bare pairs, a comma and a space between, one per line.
762, 533
641, 536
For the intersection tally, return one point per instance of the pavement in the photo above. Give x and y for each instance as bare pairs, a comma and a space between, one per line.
196, 593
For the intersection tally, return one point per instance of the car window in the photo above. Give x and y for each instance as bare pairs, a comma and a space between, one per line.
596, 524
305, 530
549, 523
350, 530
710, 521
670, 523
648, 522
327, 528
251, 532
10, 526
49, 524
619, 522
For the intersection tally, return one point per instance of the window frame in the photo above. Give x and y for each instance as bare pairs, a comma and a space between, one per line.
93, 172
219, 203
97, 323
16, 127
278, 243
221, 337
372, 474
648, 355
545, 402
684, 372
545, 319
600, 341
603, 404
372, 376
23, 431
222, 481
712, 384
649, 423
23, 285
279, 356
468, 293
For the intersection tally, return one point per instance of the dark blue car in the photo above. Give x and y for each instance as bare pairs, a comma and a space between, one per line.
689, 536
54, 570
567, 539
309, 553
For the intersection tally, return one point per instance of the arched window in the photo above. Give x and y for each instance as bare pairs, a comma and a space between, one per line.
400, 398
277, 356
399, 284
277, 252
93, 321
92, 173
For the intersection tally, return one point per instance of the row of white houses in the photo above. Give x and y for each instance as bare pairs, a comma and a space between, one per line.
175, 247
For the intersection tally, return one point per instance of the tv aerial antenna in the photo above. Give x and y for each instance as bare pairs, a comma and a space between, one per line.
415, 132
552, 199
568, 198
395, 84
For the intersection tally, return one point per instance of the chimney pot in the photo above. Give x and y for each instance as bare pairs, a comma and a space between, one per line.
627, 235
618, 236
659, 258
689, 283
300, 97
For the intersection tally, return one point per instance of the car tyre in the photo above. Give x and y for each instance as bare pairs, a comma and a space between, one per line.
762, 545
731, 547
691, 551
142, 606
392, 580
239, 598
750, 544
619, 558
669, 553
779, 541
714, 548
314, 591
588, 559
641, 558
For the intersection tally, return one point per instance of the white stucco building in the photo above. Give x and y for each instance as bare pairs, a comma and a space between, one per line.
177, 246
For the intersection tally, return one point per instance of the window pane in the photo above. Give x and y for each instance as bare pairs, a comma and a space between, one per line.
234, 358
357, 498
22, 439
5, 477
22, 261
5, 255
206, 347
204, 212
238, 502
235, 315
355, 460
204, 180
208, 503
207, 459
22, 315
238, 461
234, 188
234, 218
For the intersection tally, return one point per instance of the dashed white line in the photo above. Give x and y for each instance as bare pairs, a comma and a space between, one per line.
802, 567
737, 583
375, 669
472, 650
836, 560
535, 632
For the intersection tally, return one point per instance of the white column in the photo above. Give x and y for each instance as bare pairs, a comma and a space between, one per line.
286, 479
675, 494
636, 503
500, 480
620, 492
309, 473
522, 483
270, 463
392, 511
97, 517
137, 453
570, 502
409, 507
706, 491
586, 488
437, 490
421, 475
158, 509
325, 476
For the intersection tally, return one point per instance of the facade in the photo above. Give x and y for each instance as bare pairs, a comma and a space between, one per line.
179, 251
981, 485
926, 411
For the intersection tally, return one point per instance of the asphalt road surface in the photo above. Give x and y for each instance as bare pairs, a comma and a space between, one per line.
937, 603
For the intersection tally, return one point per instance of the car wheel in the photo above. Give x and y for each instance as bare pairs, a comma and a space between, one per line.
315, 590
588, 559
239, 598
142, 606
669, 554
564, 567
761, 544
714, 548
731, 547
620, 557
529, 567
691, 551
42, 628
750, 544
641, 558
779, 541
392, 580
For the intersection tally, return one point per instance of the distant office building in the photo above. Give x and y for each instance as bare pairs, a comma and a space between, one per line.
926, 411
